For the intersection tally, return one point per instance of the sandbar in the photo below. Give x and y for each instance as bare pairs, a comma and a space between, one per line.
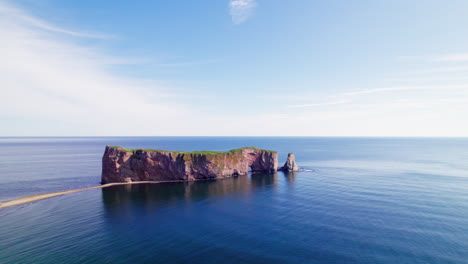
37, 197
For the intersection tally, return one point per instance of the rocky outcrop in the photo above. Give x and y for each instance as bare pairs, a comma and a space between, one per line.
290, 164
126, 165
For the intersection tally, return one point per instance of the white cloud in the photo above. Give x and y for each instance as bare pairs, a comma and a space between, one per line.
405, 88
380, 90
49, 81
320, 104
241, 10
460, 57
21, 18
452, 57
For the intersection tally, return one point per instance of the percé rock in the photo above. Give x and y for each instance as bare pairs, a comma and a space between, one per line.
126, 165
290, 164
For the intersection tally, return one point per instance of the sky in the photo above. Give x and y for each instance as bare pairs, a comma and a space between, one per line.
234, 68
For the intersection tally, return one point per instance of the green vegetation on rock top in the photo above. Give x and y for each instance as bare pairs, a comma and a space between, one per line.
204, 152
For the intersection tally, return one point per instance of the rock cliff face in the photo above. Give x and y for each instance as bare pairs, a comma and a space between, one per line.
290, 164
125, 165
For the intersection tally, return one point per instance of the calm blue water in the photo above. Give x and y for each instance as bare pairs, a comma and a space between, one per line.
366, 200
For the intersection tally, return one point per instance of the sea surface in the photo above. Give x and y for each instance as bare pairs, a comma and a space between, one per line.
360, 200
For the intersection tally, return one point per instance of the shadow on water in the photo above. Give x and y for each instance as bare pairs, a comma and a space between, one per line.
121, 199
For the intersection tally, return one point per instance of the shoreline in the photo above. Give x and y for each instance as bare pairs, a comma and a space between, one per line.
37, 197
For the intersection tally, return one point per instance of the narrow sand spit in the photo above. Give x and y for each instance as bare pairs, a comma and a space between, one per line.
37, 197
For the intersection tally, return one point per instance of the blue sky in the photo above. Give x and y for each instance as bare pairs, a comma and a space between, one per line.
234, 68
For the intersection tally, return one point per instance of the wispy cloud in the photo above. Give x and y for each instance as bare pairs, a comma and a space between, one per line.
452, 57
241, 10
459, 57
49, 80
405, 88
381, 90
436, 70
185, 63
320, 104
22, 18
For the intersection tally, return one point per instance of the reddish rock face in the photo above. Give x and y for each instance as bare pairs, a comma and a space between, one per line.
120, 165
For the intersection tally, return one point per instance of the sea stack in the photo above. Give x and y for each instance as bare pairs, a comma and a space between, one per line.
290, 164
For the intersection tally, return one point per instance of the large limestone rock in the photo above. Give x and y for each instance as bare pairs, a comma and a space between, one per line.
124, 165
290, 164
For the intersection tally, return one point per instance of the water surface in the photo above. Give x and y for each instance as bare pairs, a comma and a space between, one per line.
365, 200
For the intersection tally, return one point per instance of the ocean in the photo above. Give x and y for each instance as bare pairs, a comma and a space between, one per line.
359, 200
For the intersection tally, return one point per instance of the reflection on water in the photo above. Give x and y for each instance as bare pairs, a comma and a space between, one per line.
118, 199
290, 175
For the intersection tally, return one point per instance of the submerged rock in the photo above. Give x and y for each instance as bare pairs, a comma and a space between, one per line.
126, 165
290, 164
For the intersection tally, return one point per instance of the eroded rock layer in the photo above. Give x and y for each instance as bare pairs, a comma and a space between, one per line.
125, 165
290, 164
